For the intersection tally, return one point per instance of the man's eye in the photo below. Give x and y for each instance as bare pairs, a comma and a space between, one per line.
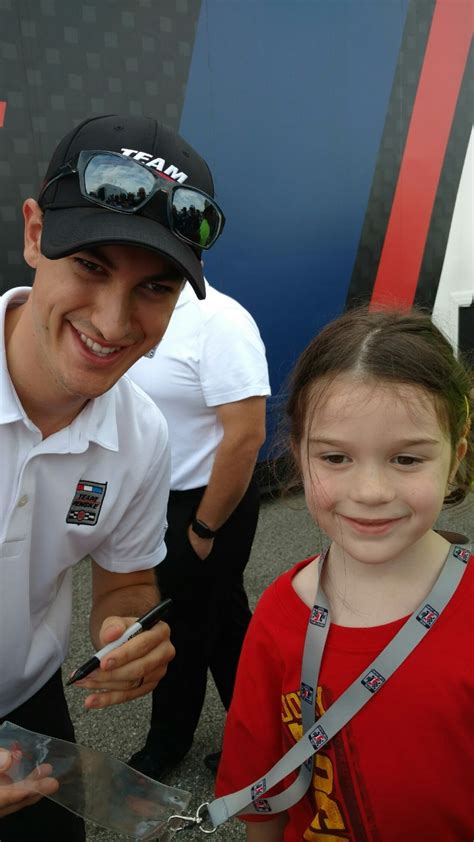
88, 265
158, 288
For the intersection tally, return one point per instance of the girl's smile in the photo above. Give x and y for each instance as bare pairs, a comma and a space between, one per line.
372, 525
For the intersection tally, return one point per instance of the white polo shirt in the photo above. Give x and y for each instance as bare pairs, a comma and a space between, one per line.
211, 354
100, 487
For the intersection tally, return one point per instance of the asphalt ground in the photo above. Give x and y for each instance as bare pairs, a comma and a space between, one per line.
285, 534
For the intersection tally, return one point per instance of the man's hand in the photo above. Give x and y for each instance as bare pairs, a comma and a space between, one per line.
15, 796
133, 669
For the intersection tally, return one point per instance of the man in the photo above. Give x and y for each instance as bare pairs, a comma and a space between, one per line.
84, 453
209, 377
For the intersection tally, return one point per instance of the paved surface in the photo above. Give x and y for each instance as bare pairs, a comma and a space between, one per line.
285, 534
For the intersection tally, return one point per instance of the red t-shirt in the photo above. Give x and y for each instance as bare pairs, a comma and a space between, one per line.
402, 769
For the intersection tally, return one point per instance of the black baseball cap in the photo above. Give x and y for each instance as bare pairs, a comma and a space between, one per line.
71, 223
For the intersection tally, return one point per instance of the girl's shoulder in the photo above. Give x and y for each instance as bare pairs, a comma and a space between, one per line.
281, 601
305, 580
464, 593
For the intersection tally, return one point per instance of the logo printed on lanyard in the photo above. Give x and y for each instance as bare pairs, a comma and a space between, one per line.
262, 806
318, 737
462, 554
259, 789
373, 681
307, 693
319, 616
427, 616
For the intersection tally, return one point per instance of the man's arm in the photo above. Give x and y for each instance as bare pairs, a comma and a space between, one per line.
134, 668
243, 424
120, 594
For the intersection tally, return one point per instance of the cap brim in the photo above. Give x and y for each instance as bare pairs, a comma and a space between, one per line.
69, 230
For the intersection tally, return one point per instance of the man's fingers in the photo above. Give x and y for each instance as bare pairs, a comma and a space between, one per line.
151, 667
41, 772
113, 628
15, 796
134, 669
108, 698
5, 760
124, 692
138, 647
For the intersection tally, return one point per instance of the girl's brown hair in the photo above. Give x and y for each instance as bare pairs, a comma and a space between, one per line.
396, 347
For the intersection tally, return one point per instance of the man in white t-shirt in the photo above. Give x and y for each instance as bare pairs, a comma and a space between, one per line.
209, 377
84, 453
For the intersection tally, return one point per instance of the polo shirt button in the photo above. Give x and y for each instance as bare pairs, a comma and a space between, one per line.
23, 500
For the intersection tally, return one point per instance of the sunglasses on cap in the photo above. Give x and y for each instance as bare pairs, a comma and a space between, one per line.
120, 184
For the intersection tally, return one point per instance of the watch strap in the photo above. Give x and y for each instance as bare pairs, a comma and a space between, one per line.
202, 529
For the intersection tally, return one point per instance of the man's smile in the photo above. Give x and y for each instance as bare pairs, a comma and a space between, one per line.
94, 346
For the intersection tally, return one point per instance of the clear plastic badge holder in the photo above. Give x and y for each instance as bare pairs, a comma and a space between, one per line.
100, 788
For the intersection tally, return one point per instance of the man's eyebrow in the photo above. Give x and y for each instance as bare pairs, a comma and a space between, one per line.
96, 252
171, 274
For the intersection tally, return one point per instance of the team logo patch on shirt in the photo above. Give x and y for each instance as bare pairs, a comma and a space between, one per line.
318, 737
319, 616
259, 789
373, 681
87, 503
262, 806
427, 616
462, 554
307, 693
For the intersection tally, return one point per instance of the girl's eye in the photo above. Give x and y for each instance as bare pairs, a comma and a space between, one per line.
407, 461
335, 458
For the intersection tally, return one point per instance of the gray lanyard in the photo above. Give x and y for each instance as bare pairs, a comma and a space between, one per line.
251, 799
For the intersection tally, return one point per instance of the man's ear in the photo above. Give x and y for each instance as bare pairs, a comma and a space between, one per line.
33, 217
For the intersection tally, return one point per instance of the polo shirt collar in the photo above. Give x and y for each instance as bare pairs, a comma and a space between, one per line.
187, 294
96, 423
10, 406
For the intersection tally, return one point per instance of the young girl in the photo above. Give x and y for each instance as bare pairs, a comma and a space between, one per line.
380, 416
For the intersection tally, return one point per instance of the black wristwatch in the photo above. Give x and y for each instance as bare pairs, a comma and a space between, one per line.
201, 529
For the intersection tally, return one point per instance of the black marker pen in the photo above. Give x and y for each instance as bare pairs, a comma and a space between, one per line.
144, 623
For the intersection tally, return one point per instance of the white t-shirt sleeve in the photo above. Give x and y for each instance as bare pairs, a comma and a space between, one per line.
138, 542
233, 363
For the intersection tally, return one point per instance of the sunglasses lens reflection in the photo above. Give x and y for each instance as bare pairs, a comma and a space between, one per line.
118, 184
194, 217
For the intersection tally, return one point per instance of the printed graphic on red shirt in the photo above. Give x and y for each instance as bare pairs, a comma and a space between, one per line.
341, 813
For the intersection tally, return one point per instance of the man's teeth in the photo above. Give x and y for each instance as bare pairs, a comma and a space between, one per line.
95, 347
